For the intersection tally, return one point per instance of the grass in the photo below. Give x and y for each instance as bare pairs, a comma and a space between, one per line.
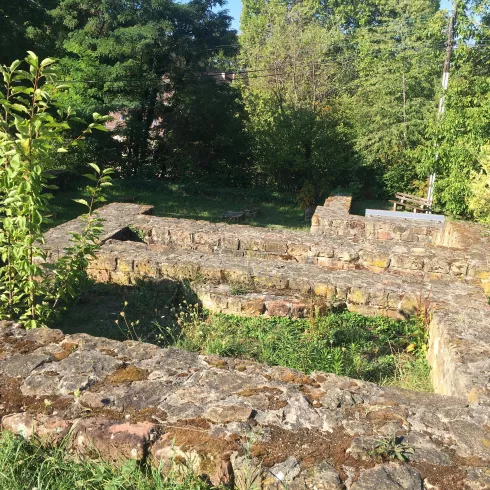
192, 201
345, 343
166, 313
29, 465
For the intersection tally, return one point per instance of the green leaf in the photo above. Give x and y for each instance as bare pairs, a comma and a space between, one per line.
47, 62
81, 201
20, 108
100, 127
92, 177
62, 150
95, 167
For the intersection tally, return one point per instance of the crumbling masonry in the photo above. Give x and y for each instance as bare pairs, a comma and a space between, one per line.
308, 431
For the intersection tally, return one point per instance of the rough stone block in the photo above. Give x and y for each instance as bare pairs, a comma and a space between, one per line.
125, 264
438, 266
146, 268
252, 243
459, 268
121, 278
277, 308
276, 247
375, 261
237, 275
101, 276
348, 255
271, 282
298, 249
324, 290
299, 284
51, 429
230, 242
358, 296
408, 262
104, 261
181, 236
300, 310
384, 235
253, 307
378, 298
211, 273
113, 440
409, 305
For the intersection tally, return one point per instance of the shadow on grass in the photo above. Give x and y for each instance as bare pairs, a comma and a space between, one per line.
126, 312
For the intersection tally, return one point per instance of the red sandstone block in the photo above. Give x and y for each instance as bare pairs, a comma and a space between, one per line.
50, 428
385, 235
113, 440
299, 310
277, 308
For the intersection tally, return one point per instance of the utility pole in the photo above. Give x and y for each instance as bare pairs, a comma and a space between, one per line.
445, 82
449, 50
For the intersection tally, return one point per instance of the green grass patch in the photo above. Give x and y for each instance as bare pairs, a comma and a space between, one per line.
193, 201
29, 465
347, 344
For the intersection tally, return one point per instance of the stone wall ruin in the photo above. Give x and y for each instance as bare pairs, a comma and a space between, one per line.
209, 406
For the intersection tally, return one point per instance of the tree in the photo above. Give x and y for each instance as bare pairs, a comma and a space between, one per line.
138, 57
299, 138
25, 25
393, 95
453, 142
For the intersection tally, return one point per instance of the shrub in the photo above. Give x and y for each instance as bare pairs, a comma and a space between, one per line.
32, 126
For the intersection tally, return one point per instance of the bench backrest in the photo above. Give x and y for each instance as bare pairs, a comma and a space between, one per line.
414, 199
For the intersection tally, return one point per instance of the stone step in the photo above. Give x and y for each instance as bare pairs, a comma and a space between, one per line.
364, 291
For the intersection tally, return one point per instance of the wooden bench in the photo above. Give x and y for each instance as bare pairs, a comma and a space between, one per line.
409, 201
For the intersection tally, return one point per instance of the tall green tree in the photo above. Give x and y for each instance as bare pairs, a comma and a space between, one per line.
25, 25
135, 57
398, 60
454, 141
300, 140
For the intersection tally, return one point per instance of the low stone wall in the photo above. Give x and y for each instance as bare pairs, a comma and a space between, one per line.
254, 271
334, 219
231, 420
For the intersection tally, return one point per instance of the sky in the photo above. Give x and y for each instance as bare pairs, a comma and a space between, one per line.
235, 7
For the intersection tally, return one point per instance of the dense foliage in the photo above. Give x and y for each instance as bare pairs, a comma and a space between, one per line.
327, 94
347, 344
